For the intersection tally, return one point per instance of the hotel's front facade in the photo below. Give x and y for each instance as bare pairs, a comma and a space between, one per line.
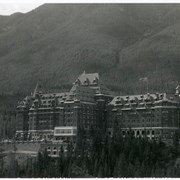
90, 105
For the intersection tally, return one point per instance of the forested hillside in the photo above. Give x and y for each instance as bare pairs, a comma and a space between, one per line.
123, 42
116, 157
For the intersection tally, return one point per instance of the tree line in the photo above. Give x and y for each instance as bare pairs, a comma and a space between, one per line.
103, 157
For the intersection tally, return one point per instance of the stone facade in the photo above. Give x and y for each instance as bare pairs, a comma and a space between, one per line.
90, 105
82, 107
152, 115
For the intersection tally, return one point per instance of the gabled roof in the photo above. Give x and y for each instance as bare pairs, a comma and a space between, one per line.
58, 95
155, 97
90, 77
132, 97
91, 80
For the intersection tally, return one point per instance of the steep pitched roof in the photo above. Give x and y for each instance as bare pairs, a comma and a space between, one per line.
132, 97
90, 77
93, 81
163, 97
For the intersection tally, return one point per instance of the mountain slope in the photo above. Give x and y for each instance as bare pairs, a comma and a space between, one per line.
123, 42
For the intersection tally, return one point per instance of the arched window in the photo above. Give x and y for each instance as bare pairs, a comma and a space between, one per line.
138, 133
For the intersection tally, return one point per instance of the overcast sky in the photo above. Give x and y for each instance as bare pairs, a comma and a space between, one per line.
10, 8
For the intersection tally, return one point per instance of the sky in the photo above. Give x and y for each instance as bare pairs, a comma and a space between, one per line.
10, 8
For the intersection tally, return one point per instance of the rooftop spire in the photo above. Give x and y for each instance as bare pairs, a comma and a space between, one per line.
177, 89
35, 90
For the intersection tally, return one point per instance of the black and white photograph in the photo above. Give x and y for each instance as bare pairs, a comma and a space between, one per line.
89, 90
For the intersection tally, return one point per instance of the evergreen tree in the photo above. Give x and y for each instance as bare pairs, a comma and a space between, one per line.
100, 171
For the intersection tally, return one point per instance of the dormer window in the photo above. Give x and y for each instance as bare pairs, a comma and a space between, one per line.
161, 96
77, 82
132, 101
147, 100
86, 82
94, 81
118, 102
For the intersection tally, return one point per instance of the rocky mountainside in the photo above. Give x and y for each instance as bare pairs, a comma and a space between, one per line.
123, 42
